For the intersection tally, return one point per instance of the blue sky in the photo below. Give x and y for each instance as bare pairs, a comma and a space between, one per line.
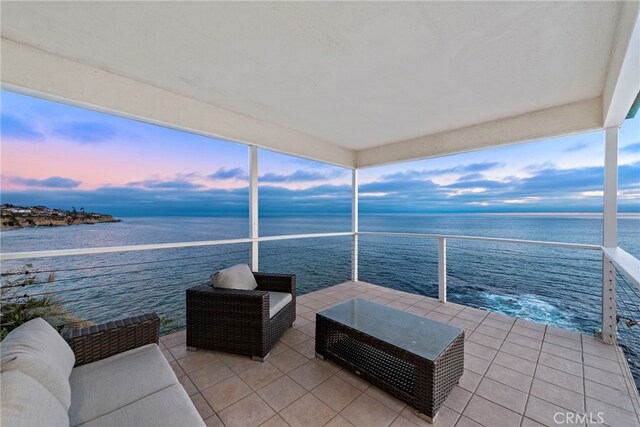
62, 156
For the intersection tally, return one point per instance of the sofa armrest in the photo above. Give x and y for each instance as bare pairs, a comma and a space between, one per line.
276, 282
101, 341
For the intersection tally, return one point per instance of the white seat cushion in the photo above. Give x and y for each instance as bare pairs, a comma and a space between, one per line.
109, 384
277, 301
169, 407
236, 277
27, 403
37, 349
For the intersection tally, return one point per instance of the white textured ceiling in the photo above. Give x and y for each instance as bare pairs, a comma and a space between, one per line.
358, 75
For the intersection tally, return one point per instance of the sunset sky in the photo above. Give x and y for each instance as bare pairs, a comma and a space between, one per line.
63, 156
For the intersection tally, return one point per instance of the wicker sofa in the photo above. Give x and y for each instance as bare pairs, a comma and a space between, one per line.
239, 321
108, 375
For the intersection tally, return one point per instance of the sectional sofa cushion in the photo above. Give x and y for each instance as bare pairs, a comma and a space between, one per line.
107, 385
36, 349
169, 407
237, 277
277, 301
26, 403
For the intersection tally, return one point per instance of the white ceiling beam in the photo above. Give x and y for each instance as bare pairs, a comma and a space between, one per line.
577, 117
38, 73
623, 78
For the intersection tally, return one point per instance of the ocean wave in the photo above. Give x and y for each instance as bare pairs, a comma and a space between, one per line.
528, 307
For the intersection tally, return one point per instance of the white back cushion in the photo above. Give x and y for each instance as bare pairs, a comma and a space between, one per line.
26, 403
36, 349
236, 277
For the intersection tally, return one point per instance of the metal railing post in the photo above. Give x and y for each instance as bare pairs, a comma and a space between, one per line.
354, 225
253, 205
442, 269
609, 317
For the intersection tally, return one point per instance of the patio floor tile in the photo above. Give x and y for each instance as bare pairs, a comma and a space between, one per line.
310, 375
458, 399
509, 377
512, 367
559, 378
275, 421
260, 375
365, 411
544, 412
211, 374
307, 411
503, 395
516, 363
281, 393
386, 399
226, 392
338, 421
195, 360
250, 411
336, 393
559, 396
287, 360
488, 413
612, 415
202, 406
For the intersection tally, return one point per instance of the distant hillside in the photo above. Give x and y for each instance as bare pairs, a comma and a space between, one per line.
41, 216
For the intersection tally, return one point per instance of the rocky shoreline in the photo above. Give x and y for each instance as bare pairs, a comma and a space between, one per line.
16, 217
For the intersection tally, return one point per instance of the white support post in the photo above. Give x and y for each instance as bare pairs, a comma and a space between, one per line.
442, 269
253, 205
610, 235
610, 228
354, 225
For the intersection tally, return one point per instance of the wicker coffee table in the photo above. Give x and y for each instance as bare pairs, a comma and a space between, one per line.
413, 358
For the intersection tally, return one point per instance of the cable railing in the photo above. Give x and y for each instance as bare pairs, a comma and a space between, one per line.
99, 284
78, 288
558, 284
622, 298
628, 323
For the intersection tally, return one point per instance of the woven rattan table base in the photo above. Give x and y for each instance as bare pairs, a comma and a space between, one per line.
421, 383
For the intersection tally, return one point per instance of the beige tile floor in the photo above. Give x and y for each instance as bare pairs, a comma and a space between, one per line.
517, 373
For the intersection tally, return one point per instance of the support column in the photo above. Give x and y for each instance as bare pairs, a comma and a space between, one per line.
253, 205
442, 269
354, 225
610, 226
610, 234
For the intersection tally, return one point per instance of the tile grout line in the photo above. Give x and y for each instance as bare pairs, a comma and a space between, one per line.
484, 376
524, 411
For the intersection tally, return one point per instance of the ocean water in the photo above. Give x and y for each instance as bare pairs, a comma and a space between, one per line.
560, 287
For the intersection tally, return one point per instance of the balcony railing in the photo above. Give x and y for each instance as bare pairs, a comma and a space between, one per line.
600, 286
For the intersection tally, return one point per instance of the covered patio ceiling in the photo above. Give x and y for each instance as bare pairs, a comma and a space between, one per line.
355, 84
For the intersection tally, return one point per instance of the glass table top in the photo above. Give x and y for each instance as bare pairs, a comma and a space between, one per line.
423, 337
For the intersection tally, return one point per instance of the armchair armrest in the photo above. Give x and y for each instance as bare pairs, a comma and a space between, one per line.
248, 304
276, 282
101, 341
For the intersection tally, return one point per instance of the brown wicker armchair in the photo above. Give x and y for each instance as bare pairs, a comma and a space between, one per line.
237, 321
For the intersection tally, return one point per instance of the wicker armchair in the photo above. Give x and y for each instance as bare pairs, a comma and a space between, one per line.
237, 321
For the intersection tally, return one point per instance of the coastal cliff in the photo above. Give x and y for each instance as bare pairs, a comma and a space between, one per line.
13, 217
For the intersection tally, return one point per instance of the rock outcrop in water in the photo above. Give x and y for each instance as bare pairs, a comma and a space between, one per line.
41, 216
